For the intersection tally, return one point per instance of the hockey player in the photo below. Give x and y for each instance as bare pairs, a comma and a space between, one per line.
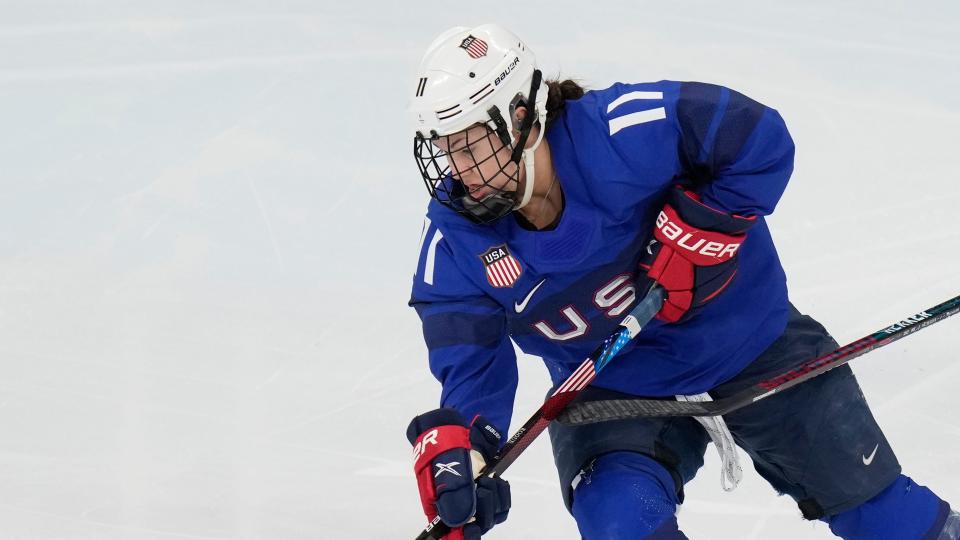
553, 210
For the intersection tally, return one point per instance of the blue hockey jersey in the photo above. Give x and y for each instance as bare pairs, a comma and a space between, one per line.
558, 293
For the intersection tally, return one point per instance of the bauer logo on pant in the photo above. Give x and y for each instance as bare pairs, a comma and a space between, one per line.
502, 268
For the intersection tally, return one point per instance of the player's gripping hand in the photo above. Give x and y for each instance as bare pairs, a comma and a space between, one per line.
693, 255
447, 453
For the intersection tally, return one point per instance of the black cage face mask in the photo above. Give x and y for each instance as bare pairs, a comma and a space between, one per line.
472, 171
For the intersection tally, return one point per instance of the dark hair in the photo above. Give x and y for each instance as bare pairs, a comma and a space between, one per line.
560, 92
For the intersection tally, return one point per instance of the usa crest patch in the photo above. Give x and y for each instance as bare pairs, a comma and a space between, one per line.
475, 47
503, 269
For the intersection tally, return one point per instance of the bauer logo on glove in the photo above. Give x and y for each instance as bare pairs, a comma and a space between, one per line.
693, 255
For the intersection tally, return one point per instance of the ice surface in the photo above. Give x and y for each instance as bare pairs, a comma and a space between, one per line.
211, 216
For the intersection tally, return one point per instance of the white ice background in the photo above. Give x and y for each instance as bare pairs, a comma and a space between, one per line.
210, 218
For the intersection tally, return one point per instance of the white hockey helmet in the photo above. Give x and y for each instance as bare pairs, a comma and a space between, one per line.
471, 76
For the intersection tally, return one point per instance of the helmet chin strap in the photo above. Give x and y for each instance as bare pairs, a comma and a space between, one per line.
528, 159
528, 165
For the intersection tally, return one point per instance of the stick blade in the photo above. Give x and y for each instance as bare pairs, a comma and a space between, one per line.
591, 412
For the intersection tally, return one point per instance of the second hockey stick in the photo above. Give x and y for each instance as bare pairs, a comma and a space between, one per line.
621, 409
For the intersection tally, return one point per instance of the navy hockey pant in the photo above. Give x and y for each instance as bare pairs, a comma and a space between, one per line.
628, 495
817, 442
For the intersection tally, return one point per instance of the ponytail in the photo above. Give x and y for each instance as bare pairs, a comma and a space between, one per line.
560, 92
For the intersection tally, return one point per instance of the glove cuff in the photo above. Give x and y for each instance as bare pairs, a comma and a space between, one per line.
696, 213
479, 434
484, 438
432, 419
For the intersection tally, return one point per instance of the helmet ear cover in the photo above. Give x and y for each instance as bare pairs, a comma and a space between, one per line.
525, 125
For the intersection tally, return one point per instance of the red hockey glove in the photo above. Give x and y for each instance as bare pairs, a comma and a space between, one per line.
693, 255
442, 446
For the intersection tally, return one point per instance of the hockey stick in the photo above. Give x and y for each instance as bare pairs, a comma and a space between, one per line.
621, 409
631, 325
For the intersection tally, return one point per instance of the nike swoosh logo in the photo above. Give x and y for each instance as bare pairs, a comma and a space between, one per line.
518, 307
869, 460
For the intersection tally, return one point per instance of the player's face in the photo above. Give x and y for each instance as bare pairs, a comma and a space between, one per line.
480, 161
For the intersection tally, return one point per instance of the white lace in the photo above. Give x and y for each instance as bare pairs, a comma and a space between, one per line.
730, 471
